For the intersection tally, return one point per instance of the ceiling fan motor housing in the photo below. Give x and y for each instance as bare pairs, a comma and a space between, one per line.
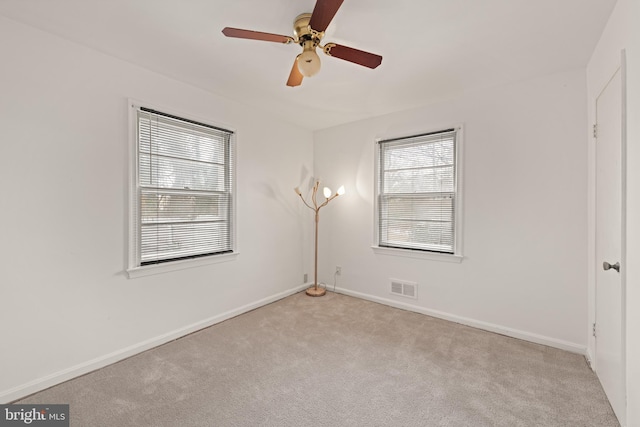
308, 61
301, 27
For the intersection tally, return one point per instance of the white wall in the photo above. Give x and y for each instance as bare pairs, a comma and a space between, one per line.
66, 304
623, 32
524, 268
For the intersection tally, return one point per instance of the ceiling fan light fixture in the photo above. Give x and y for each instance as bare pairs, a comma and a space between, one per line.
309, 30
309, 62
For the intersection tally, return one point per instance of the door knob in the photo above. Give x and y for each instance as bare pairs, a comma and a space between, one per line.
608, 266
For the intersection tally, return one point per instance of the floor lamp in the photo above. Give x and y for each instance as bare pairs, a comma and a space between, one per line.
316, 291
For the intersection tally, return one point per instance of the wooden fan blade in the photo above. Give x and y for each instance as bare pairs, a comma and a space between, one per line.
350, 54
295, 78
255, 35
323, 13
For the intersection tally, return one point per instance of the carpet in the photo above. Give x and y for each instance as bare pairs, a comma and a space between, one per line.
338, 361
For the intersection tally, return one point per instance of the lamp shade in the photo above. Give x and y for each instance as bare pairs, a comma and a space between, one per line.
326, 192
308, 62
341, 190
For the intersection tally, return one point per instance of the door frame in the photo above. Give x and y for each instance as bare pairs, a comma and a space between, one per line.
593, 264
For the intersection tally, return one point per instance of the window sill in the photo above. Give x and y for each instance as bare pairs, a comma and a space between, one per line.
408, 253
149, 270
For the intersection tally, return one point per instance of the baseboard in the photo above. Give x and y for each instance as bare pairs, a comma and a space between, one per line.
590, 361
514, 333
43, 383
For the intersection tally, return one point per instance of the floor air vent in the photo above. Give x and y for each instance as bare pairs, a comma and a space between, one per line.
404, 289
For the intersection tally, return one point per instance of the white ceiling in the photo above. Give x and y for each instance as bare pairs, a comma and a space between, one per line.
431, 48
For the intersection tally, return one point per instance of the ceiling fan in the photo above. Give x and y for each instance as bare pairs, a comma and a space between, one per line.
308, 29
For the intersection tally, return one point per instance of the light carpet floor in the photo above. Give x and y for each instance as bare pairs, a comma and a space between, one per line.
338, 361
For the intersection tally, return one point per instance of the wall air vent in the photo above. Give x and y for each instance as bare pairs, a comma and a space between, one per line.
404, 288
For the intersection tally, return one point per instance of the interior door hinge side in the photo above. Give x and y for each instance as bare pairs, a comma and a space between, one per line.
595, 130
594, 330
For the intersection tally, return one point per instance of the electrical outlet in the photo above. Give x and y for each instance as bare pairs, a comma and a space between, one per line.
338, 270
305, 278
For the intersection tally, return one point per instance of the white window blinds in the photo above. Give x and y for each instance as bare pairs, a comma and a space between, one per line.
417, 192
185, 206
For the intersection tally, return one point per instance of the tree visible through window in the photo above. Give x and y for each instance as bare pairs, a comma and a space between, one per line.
417, 192
184, 188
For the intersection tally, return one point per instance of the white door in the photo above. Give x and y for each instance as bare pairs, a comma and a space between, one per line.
609, 232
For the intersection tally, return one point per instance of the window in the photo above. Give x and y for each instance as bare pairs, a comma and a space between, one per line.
183, 191
418, 193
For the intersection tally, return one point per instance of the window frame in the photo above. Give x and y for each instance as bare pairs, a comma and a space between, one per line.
457, 256
134, 268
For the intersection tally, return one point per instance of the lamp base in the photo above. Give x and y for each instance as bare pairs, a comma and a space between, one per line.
316, 292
